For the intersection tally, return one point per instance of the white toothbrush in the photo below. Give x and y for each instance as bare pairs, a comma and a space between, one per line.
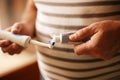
22, 40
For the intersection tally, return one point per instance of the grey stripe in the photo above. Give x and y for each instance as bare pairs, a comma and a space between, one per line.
97, 3
43, 34
51, 78
71, 60
64, 49
68, 27
83, 70
115, 78
83, 78
82, 15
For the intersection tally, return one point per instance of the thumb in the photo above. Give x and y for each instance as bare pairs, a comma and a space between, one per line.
81, 34
16, 28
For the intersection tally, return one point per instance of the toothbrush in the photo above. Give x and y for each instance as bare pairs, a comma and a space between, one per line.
63, 38
22, 40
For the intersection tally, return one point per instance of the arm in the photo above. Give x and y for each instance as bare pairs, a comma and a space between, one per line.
24, 27
104, 39
29, 16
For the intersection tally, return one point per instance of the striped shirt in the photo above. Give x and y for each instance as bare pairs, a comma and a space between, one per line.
60, 63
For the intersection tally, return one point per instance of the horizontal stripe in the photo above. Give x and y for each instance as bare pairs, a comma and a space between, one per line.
43, 34
64, 49
105, 77
71, 60
70, 1
63, 54
51, 78
75, 65
80, 73
97, 3
68, 27
49, 75
83, 78
50, 30
82, 70
73, 21
82, 15
72, 56
77, 10
115, 78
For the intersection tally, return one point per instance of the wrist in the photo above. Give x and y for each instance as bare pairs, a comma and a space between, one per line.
29, 29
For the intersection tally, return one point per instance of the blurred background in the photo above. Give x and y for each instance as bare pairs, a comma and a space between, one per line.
11, 11
21, 66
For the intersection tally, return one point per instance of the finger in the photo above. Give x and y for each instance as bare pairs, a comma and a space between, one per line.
16, 28
13, 48
81, 34
4, 43
81, 49
11, 52
16, 47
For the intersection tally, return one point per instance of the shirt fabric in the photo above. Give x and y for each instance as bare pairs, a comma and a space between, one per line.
60, 63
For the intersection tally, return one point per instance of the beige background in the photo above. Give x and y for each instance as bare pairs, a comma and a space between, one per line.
11, 11
21, 66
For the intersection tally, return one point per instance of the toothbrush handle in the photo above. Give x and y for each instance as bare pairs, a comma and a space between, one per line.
20, 40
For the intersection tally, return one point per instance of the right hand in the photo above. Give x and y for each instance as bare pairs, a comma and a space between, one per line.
104, 39
10, 47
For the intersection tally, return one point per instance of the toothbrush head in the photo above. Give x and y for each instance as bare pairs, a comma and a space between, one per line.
52, 43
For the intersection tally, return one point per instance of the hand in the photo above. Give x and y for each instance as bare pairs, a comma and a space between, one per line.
104, 39
12, 48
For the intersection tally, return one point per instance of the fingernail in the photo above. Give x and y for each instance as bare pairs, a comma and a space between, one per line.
14, 31
4, 50
71, 36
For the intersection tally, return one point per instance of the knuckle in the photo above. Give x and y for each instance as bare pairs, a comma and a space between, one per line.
77, 50
11, 53
16, 46
16, 28
82, 30
76, 35
16, 24
4, 50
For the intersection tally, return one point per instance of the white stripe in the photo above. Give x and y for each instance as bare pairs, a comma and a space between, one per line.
50, 30
52, 75
77, 10
42, 39
76, 65
66, 55
69, 1
107, 77
73, 21
78, 74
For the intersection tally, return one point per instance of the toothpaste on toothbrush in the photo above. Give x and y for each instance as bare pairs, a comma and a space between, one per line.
63, 38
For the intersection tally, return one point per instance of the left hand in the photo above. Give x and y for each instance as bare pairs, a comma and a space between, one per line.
104, 39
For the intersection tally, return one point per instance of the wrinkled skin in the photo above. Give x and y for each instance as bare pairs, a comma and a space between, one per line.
104, 39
